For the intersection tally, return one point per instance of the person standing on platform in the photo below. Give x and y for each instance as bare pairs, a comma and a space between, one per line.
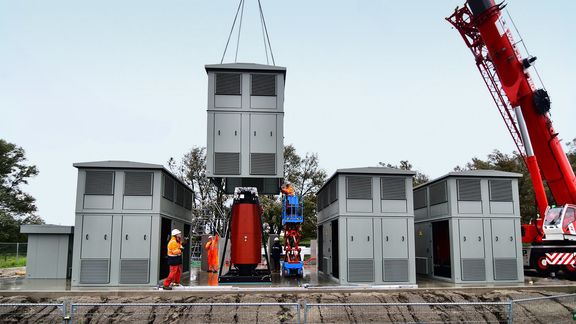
174, 260
212, 249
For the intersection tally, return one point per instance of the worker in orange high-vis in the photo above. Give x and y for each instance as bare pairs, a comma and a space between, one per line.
287, 189
212, 249
174, 260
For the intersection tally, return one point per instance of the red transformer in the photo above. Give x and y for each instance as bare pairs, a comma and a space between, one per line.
246, 237
550, 241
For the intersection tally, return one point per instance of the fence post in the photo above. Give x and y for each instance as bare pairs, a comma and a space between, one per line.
511, 312
305, 312
65, 316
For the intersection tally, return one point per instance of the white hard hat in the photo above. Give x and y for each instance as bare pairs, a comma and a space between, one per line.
210, 237
176, 232
276, 239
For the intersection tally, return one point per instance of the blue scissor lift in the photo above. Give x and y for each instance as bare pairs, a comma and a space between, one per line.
292, 218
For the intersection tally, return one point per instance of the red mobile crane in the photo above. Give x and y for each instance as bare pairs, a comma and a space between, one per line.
549, 241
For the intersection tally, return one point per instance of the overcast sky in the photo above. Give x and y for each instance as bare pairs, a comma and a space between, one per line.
367, 81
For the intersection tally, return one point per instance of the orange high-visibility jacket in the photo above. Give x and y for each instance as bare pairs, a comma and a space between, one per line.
212, 248
174, 247
289, 191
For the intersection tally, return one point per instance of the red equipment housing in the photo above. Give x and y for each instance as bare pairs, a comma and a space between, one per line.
246, 236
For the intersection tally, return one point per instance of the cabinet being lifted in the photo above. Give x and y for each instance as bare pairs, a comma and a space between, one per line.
245, 125
468, 227
366, 227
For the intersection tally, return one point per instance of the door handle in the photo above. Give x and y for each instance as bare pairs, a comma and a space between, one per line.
86, 236
511, 239
105, 237
386, 238
368, 238
144, 237
235, 133
218, 132
254, 133
496, 238
464, 238
479, 238
402, 238
352, 238
126, 236
270, 133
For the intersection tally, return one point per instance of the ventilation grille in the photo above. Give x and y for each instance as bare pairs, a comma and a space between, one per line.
134, 271
228, 83
473, 270
501, 190
438, 193
469, 190
138, 183
99, 183
360, 270
328, 194
188, 199
420, 198
333, 190
262, 163
393, 188
179, 195
94, 271
505, 269
227, 163
168, 191
358, 187
395, 270
325, 265
263, 84
422, 265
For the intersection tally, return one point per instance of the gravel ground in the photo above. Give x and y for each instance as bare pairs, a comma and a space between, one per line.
12, 272
542, 311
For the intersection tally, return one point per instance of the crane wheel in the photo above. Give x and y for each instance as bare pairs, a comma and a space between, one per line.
541, 265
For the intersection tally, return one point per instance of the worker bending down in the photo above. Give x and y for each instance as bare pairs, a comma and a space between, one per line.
212, 249
174, 260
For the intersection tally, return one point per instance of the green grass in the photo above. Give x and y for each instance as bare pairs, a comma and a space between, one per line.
9, 261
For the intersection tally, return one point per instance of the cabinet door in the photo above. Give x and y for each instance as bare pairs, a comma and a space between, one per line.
503, 238
360, 238
227, 132
471, 239
263, 133
136, 237
394, 238
96, 237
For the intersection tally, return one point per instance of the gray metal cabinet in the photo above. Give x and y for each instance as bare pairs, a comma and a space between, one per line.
263, 133
395, 238
227, 130
136, 237
503, 238
96, 237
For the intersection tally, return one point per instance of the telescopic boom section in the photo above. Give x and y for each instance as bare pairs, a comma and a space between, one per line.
485, 32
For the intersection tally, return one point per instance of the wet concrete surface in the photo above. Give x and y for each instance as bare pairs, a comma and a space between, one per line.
313, 280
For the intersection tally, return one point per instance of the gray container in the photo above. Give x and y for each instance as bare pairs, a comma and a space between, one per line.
49, 253
467, 227
124, 214
245, 125
366, 227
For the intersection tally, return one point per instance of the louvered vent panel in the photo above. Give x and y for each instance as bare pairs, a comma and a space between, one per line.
228, 83
420, 198
94, 271
505, 269
395, 270
138, 183
438, 193
469, 190
179, 195
263, 163
134, 271
333, 189
358, 187
422, 265
473, 270
99, 183
393, 188
360, 270
188, 199
501, 190
168, 188
263, 84
227, 163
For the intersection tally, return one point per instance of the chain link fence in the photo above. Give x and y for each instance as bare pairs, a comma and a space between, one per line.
13, 254
186, 312
32, 313
553, 309
483, 312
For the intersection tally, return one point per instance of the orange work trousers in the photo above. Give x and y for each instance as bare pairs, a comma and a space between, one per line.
174, 276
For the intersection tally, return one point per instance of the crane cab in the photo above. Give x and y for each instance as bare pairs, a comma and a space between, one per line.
560, 223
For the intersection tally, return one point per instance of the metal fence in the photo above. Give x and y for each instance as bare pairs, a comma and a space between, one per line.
186, 312
13, 254
550, 309
483, 312
32, 313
